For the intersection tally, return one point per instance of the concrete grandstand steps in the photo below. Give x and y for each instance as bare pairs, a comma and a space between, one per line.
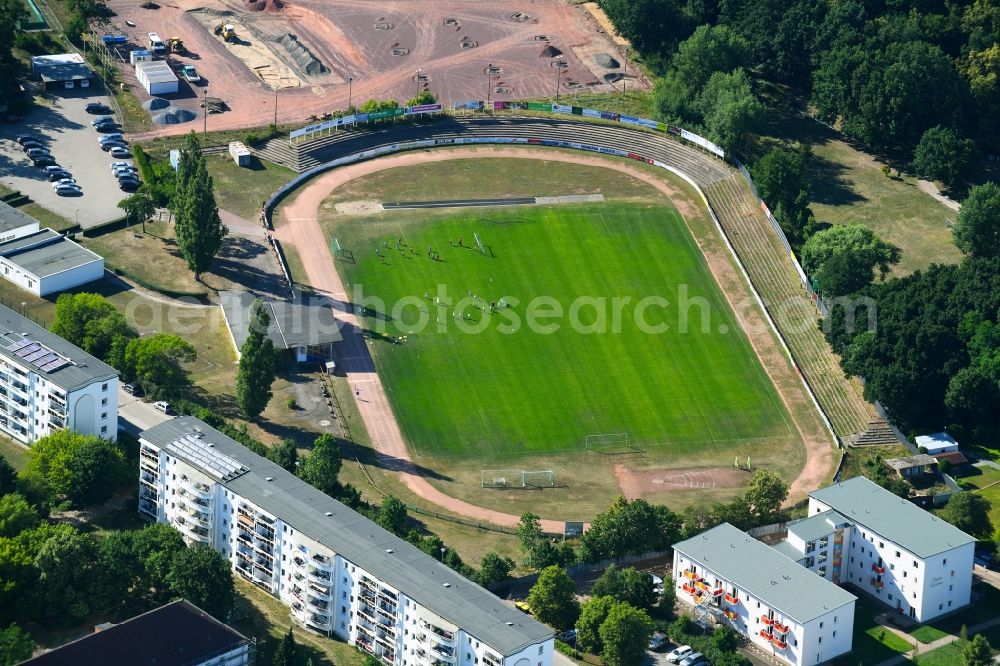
302, 157
878, 433
774, 277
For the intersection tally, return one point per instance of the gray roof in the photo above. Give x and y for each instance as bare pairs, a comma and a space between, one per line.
11, 218
936, 441
919, 460
894, 518
788, 550
293, 323
817, 525
82, 369
766, 573
351, 535
46, 253
58, 68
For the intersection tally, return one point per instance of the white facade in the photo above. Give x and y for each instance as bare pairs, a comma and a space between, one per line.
822, 633
922, 588
70, 389
53, 283
939, 442
325, 591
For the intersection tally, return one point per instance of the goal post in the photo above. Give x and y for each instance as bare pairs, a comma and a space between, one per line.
517, 479
610, 443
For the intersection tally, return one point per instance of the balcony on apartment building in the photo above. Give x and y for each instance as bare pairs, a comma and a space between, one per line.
56, 422
267, 520
779, 628
388, 658
319, 590
196, 489
263, 546
877, 584
317, 603
491, 660
148, 508
779, 643
199, 517
322, 562
878, 569
150, 454
244, 538
147, 477
766, 634
767, 620
439, 634
146, 492
442, 652
319, 576
320, 620
366, 611
731, 598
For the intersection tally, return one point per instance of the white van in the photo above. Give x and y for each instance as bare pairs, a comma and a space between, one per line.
162, 406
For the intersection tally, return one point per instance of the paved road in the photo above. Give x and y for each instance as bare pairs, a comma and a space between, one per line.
134, 415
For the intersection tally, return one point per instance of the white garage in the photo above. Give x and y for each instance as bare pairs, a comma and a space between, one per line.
156, 77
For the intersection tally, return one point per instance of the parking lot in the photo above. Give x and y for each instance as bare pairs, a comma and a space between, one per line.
73, 142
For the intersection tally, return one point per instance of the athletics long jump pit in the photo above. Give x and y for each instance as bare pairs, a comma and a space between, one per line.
308, 49
445, 407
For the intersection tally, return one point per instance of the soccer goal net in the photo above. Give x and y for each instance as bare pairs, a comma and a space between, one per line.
610, 443
518, 478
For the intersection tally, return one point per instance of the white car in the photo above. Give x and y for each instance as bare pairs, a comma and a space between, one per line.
120, 151
64, 181
116, 165
113, 136
678, 654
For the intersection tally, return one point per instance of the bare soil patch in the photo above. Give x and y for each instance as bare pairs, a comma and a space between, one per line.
640, 483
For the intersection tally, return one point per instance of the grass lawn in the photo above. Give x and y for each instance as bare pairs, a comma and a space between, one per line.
927, 634
241, 190
15, 454
686, 389
873, 643
857, 458
504, 177
848, 186
946, 655
264, 618
985, 481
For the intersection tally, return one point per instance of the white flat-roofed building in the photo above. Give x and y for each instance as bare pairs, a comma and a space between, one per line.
939, 442
48, 384
907, 558
782, 608
340, 573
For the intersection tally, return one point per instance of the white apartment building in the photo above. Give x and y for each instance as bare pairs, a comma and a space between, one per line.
339, 573
859, 533
783, 609
47, 384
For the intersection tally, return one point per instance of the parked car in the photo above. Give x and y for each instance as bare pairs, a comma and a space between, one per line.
44, 161
115, 165
21, 138
69, 191
132, 389
657, 641
36, 153
568, 636
129, 185
162, 406
31, 143
120, 151
58, 175
678, 654
97, 107
107, 127
106, 147
63, 181
694, 659
102, 120
125, 173
114, 136
54, 167
190, 74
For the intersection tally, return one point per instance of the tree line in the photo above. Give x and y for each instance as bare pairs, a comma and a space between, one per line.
933, 360
895, 75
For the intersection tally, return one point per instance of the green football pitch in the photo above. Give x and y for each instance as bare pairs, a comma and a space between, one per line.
468, 379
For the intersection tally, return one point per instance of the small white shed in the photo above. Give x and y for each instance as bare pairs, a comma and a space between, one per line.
156, 77
939, 442
240, 153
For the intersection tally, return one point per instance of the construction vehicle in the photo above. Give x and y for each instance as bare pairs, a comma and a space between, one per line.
227, 32
156, 44
176, 45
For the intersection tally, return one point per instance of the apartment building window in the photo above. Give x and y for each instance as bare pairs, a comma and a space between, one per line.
820, 625
892, 567
834, 633
104, 387
945, 561
940, 606
540, 648
950, 587
949, 604
104, 430
904, 574
890, 597
881, 545
835, 619
104, 402
820, 640
916, 564
852, 559
897, 553
104, 415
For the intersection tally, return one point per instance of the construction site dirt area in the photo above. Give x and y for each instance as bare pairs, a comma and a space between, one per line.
313, 57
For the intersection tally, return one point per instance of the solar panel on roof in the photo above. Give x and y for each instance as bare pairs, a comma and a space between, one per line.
37, 354
28, 350
18, 344
54, 365
48, 358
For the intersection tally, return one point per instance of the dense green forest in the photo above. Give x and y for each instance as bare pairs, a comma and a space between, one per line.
918, 83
